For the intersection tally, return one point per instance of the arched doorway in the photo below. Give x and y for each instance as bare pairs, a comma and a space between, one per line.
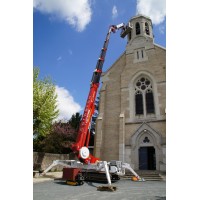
146, 148
147, 158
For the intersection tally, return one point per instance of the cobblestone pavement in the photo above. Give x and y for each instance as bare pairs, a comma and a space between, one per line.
126, 190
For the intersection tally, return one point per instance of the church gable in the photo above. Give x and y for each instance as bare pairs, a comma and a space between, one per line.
114, 72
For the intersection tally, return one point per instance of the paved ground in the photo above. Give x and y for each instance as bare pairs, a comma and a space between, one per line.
48, 189
49, 176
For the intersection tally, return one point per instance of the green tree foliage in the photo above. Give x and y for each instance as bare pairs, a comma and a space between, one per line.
75, 120
44, 104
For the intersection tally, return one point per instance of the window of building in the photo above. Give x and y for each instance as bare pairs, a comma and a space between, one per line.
146, 140
139, 103
149, 101
137, 28
140, 55
144, 100
147, 28
137, 55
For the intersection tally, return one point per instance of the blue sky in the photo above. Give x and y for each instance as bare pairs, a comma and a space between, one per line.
68, 36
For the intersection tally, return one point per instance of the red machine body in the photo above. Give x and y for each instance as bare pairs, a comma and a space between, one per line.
70, 173
80, 148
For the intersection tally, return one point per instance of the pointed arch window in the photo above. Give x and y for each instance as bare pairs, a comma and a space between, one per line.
147, 28
139, 103
137, 28
149, 102
144, 100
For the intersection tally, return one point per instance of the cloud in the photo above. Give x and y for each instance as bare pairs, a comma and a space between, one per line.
155, 9
66, 104
114, 12
77, 13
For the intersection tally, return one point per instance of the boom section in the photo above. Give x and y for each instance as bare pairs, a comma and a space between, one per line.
80, 148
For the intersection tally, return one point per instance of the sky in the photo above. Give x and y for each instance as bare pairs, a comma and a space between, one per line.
68, 36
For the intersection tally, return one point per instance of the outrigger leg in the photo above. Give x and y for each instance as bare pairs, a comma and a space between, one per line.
108, 187
136, 177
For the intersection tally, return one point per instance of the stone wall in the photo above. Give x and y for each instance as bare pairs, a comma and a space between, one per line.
42, 160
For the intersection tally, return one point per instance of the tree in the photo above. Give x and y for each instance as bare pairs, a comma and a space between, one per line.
44, 104
75, 120
62, 135
60, 138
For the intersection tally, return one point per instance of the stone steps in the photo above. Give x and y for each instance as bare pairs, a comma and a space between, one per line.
148, 175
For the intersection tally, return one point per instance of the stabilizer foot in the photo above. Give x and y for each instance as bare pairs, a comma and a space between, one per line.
108, 188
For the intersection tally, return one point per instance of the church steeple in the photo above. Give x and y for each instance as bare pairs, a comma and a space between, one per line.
138, 27
139, 32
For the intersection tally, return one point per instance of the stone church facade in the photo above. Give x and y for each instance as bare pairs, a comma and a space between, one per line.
131, 125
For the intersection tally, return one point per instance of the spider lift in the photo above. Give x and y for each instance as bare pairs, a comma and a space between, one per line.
88, 167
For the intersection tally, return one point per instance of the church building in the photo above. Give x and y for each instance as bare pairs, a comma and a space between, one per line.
131, 125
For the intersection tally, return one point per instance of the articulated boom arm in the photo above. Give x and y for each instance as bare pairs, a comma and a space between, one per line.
80, 148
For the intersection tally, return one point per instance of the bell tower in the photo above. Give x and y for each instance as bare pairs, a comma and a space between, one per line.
139, 32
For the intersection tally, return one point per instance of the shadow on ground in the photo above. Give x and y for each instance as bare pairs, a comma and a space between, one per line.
160, 198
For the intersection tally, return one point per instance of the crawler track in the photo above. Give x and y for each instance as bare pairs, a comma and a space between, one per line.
98, 176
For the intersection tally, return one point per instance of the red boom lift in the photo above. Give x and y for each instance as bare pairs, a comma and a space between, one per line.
89, 167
